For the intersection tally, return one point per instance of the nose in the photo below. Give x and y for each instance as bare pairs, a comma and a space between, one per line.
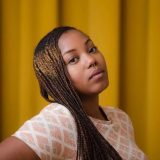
90, 60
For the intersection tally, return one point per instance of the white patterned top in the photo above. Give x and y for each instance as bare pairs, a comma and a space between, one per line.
52, 133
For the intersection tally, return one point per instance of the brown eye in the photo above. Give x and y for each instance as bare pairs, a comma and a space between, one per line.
92, 50
73, 60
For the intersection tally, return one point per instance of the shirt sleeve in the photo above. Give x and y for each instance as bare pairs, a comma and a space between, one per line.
38, 133
50, 134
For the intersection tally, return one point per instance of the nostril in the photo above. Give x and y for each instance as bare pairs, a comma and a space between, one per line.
90, 61
94, 65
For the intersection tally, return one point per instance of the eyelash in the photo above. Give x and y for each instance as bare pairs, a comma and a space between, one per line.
71, 60
91, 50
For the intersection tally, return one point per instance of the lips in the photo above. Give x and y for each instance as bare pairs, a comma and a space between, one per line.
96, 73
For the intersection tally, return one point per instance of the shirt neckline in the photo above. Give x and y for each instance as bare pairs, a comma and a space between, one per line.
100, 120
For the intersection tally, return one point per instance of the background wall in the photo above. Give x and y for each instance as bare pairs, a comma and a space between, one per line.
127, 33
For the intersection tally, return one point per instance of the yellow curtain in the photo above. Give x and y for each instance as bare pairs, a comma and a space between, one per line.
127, 33
139, 72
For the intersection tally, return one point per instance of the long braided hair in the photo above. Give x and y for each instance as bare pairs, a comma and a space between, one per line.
56, 86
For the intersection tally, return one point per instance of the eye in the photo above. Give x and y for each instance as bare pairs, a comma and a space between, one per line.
73, 60
92, 49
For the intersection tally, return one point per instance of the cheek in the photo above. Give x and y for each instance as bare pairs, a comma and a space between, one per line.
102, 59
103, 62
75, 76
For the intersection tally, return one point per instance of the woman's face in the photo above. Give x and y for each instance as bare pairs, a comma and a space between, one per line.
85, 64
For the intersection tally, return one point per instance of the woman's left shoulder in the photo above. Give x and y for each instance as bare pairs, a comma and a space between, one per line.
117, 114
115, 110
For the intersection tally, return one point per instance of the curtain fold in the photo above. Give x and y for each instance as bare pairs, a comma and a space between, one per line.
153, 79
126, 32
134, 57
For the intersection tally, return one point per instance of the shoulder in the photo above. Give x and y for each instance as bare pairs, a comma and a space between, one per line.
53, 115
117, 115
54, 111
111, 109
55, 108
44, 132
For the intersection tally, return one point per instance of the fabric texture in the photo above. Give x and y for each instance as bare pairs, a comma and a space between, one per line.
52, 133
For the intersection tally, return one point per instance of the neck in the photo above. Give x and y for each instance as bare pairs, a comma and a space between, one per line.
91, 106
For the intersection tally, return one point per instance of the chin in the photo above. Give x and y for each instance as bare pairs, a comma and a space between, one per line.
94, 89
100, 88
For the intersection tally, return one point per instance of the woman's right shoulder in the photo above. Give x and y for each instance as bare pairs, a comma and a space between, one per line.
55, 113
50, 117
46, 130
55, 108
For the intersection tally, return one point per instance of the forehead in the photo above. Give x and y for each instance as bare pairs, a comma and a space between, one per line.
70, 34
71, 39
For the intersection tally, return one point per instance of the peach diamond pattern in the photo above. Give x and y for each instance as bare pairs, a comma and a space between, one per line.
52, 133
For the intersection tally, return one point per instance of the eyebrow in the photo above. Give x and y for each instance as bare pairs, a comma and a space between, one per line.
72, 50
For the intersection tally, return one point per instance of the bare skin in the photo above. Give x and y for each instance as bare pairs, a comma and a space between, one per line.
82, 57
94, 112
83, 61
14, 149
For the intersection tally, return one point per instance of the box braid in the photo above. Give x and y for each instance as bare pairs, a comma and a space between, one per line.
56, 86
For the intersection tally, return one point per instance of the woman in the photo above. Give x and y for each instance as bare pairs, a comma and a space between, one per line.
72, 72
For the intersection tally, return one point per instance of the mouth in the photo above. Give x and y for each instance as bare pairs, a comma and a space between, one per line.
96, 74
